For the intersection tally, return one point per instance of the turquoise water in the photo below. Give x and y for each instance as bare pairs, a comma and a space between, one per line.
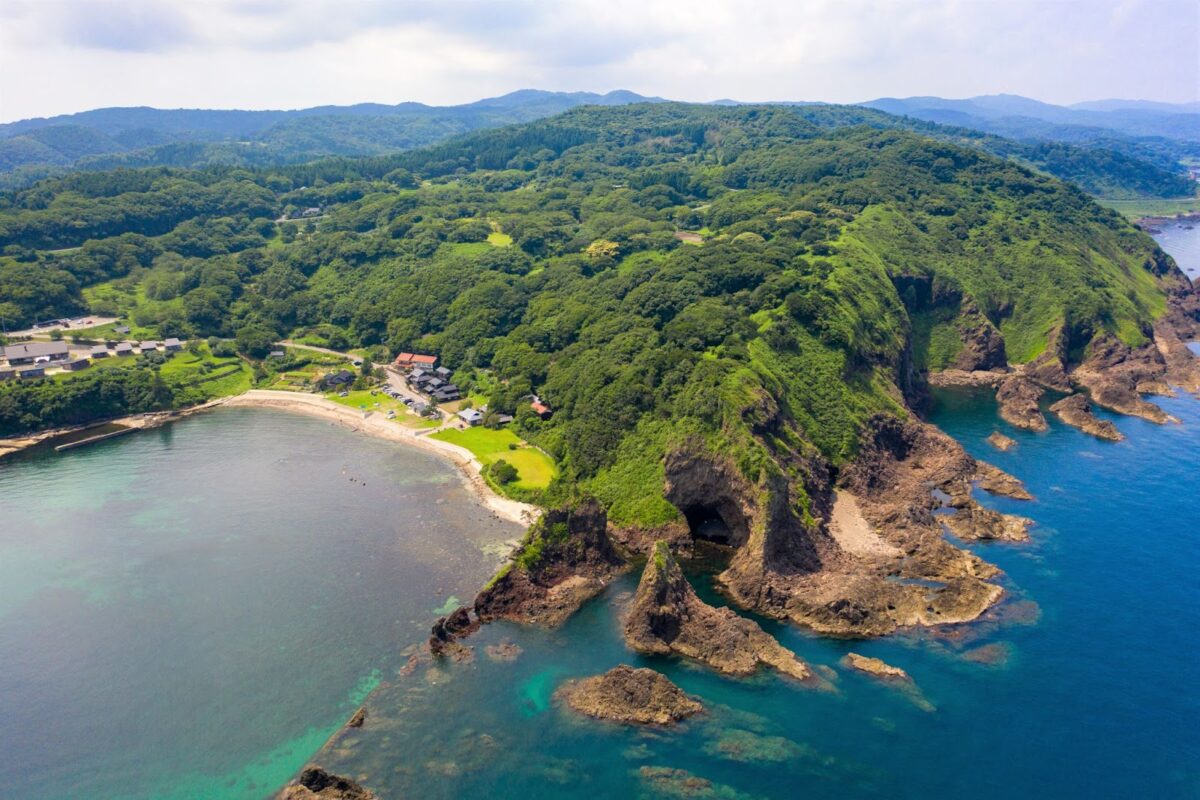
190, 612
1096, 696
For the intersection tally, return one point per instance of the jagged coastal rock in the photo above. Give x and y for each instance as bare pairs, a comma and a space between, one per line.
1075, 410
1018, 397
631, 696
315, 783
994, 480
894, 676
565, 560
447, 630
667, 617
1001, 442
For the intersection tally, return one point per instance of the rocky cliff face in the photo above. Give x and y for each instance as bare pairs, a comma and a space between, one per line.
982, 344
566, 559
1018, 397
667, 618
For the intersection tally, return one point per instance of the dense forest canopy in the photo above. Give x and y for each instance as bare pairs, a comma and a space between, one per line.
838, 260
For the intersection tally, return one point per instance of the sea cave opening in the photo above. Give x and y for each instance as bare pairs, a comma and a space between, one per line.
707, 524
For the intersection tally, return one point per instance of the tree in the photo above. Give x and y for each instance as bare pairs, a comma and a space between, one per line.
503, 472
255, 340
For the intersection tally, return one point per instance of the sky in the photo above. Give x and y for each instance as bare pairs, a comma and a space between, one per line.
61, 56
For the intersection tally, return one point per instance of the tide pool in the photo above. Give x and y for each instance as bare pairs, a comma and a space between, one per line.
190, 612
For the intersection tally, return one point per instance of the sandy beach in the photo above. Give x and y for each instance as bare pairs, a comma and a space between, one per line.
375, 424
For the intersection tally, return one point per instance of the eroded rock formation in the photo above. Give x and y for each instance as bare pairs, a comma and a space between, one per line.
631, 696
1018, 397
1001, 442
565, 560
893, 676
1076, 411
666, 617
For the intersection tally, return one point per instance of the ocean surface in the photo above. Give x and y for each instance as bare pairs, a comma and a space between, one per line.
1182, 240
190, 612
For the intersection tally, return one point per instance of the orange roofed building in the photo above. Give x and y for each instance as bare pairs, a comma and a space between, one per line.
405, 360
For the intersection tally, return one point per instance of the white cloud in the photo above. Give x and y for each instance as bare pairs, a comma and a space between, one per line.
59, 56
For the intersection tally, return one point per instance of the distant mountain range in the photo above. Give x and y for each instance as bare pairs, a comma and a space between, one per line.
1013, 115
1134, 132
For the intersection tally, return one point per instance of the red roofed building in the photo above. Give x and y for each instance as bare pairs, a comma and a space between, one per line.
541, 409
415, 360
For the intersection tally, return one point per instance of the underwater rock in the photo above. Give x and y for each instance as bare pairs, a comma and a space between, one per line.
1001, 442
315, 783
683, 785
888, 674
503, 651
992, 655
631, 696
1018, 397
1076, 411
667, 617
753, 748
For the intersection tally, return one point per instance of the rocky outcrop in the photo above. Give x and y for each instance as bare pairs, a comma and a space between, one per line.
358, 719
976, 523
1047, 370
893, 676
450, 628
666, 617
957, 378
315, 783
994, 480
1116, 374
982, 344
1018, 398
630, 696
565, 560
1001, 442
1076, 411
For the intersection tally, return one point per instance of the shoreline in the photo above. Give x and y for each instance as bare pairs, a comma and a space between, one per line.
375, 424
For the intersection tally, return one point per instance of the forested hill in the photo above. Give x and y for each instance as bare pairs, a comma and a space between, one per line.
108, 138
1105, 161
827, 265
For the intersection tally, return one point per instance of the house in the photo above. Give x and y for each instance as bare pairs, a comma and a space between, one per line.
76, 364
99, 351
148, 347
31, 372
443, 373
470, 416
540, 408
172, 345
503, 419
6, 373
415, 360
342, 377
311, 211
276, 354
29, 352
123, 330
124, 349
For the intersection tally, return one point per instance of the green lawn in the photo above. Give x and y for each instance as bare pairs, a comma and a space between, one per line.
535, 469
1150, 207
363, 400
498, 239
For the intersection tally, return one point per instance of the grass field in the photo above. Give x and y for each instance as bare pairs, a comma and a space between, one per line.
535, 469
1134, 209
363, 400
498, 239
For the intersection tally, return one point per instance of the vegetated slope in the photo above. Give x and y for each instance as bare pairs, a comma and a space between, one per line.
834, 252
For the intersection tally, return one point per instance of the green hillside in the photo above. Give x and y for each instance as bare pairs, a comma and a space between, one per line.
827, 259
